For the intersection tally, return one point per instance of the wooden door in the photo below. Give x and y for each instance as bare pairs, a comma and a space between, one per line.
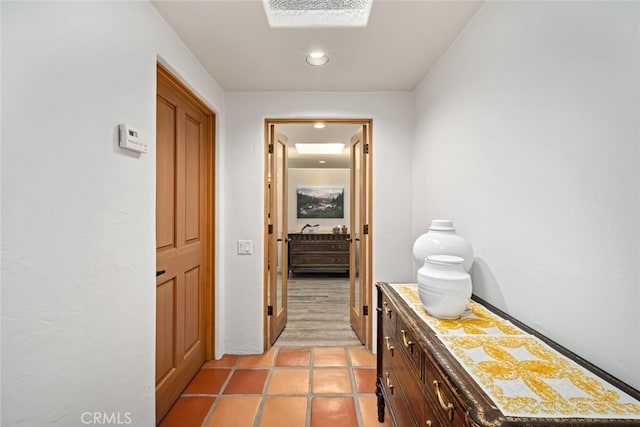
359, 260
277, 233
183, 239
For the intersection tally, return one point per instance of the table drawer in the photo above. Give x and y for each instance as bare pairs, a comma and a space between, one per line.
389, 313
410, 386
444, 403
398, 403
320, 259
407, 342
319, 247
390, 351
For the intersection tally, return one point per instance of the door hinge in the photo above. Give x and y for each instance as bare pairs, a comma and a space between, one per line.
366, 148
270, 228
270, 148
365, 310
269, 310
365, 229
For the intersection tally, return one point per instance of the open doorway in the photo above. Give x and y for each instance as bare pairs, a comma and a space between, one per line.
317, 265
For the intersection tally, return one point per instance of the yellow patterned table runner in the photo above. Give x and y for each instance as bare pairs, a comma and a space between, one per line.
475, 320
519, 372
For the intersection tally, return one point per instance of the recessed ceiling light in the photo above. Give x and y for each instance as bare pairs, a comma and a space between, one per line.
313, 148
322, 161
318, 125
317, 58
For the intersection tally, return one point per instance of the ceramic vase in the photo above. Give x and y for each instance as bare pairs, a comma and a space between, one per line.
444, 287
441, 239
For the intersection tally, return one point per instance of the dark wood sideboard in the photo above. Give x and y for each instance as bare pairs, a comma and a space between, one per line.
319, 252
422, 383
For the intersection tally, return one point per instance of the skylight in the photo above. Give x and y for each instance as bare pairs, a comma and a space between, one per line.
317, 13
321, 148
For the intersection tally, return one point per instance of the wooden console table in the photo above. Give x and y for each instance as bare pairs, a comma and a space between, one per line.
321, 252
486, 369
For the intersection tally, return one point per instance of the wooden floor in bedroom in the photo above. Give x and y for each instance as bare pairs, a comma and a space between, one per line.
318, 312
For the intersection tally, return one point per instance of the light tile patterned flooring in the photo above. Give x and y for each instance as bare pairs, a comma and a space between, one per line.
284, 387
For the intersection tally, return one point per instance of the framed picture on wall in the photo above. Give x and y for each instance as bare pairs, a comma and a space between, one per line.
320, 202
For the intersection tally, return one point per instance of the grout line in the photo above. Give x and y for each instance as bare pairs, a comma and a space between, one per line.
258, 417
282, 395
217, 399
198, 395
298, 395
356, 399
354, 386
232, 370
241, 368
312, 358
263, 399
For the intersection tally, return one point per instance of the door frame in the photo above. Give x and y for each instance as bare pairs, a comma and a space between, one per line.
164, 73
368, 123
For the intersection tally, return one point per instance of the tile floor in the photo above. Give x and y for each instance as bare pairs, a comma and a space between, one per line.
284, 387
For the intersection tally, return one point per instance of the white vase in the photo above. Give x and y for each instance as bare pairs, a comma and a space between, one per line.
441, 239
444, 287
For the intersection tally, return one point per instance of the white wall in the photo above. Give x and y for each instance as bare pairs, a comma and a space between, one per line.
317, 177
78, 237
1, 245
246, 112
527, 135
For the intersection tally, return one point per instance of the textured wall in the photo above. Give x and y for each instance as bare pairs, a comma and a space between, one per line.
78, 243
527, 136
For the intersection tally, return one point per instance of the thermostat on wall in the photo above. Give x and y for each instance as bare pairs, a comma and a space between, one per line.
131, 139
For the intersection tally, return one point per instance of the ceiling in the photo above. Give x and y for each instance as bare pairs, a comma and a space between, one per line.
402, 41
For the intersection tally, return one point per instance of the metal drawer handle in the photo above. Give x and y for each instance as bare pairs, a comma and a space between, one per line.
445, 406
429, 423
386, 309
404, 339
391, 386
389, 347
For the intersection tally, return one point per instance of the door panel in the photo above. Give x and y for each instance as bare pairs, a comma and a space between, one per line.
192, 308
281, 225
358, 279
165, 182
278, 245
181, 236
193, 175
165, 342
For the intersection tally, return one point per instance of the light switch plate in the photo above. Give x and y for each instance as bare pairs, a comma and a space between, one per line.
245, 247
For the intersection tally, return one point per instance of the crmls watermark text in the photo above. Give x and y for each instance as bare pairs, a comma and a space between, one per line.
106, 418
